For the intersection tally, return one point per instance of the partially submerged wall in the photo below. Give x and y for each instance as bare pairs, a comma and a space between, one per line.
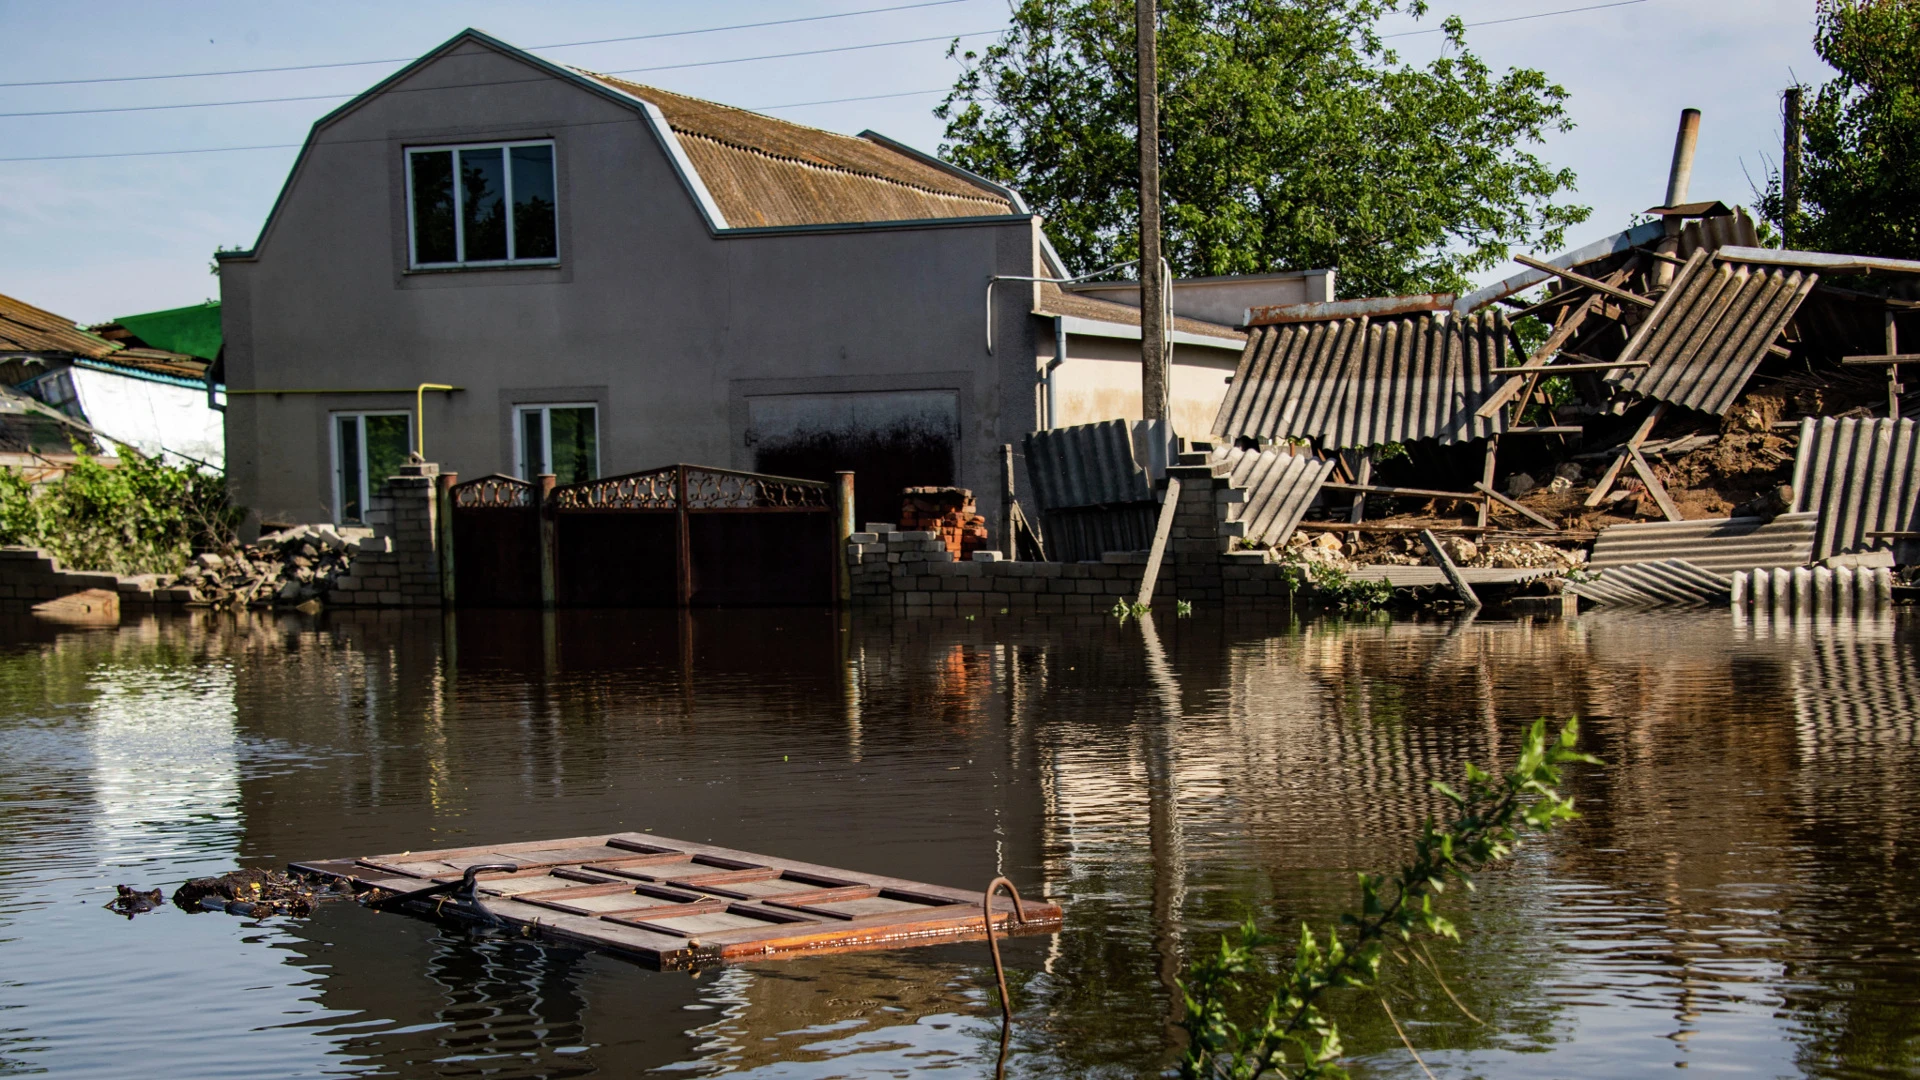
913, 573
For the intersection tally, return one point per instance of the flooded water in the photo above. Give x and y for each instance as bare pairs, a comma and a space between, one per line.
1742, 894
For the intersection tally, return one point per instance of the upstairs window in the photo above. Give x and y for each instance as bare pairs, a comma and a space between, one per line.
501, 211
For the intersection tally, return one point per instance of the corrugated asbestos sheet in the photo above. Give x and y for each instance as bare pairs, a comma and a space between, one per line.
1655, 584
764, 171
1364, 381
1086, 465
1717, 544
1713, 233
1710, 330
1859, 476
1093, 495
1279, 487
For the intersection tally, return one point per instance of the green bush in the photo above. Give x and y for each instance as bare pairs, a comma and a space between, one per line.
142, 516
1290, 1037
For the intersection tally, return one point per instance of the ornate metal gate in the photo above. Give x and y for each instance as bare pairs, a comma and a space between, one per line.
496, 541
693, 536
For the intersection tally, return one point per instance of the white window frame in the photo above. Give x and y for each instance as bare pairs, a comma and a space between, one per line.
339, 471
460, 217
545, 409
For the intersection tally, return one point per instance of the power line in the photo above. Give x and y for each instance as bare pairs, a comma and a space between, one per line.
339, 142
1518, 18
556, 45
496, 82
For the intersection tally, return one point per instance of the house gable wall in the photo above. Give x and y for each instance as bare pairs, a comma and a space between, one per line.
649, 313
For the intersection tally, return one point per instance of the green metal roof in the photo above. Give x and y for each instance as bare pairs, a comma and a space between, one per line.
193, 330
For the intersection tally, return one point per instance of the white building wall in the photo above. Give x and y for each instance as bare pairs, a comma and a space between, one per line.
150, 416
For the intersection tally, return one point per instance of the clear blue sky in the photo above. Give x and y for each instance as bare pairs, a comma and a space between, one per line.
94, 239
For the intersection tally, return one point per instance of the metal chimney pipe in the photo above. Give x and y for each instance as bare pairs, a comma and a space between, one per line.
1681, 174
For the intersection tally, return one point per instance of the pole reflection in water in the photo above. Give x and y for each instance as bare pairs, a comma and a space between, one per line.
1740, 893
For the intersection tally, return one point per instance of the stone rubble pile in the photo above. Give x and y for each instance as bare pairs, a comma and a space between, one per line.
285, 569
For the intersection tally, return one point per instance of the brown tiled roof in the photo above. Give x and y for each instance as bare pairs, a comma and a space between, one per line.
763, 171
28, 329
1056, 301
25, 328
159, 361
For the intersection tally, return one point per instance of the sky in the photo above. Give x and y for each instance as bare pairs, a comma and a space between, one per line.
97, 237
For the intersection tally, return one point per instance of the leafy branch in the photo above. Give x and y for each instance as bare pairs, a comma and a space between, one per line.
1292, 1037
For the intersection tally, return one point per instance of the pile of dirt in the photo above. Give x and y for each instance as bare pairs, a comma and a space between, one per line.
259, 893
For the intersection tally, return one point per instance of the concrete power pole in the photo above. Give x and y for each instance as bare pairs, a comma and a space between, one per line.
1153, 301
1790, 167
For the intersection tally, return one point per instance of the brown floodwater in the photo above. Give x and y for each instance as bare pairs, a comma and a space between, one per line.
1742, 894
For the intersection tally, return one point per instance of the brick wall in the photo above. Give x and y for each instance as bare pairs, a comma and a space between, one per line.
400, 568
915, 573
30, 576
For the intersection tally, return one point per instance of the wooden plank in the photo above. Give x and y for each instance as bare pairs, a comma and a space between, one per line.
1581, 279
1556, 369
1654, 486
1896, 358
1633, 443
1169, 506
1563, 332
1363, 477
1452, 572
1407, 492
1516, 507
1485, 509
722, 904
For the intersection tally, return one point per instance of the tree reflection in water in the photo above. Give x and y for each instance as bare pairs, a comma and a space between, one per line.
1739, 894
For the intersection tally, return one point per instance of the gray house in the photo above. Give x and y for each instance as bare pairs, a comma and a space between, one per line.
613, 277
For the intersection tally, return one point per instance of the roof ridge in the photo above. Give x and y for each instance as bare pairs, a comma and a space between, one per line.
984, 196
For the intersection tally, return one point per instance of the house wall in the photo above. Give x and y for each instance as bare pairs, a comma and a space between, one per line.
151, 416
1100, 380
673, 331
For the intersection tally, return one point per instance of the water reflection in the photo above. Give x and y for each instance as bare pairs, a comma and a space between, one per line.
1740, 893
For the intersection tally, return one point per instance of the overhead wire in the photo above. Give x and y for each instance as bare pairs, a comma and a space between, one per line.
342, 142
497, 82
622, 71
556, 45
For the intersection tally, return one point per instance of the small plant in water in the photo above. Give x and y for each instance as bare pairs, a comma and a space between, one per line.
1182, 608
1124, 609
1290, 1037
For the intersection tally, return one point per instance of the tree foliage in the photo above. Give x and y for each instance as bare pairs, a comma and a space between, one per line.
1291, 138
1860, 135
141, 516
1291, 1037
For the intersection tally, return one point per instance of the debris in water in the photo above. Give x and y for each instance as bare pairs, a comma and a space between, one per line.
132, 901
258, 893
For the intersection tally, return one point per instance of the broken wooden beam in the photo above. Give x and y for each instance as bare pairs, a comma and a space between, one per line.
1633, 443
1581, 279
1560, 369
1169, 507
1406, 492
675, 904
1452, 572
1516, 507
1654, 486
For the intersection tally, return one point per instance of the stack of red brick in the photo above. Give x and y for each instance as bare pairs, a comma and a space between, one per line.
948, 511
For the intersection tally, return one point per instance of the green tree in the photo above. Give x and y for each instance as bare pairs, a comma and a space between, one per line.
1860, 135
1291, 138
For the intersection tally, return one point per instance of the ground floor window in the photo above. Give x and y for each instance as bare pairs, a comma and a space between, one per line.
367, 448
560, 439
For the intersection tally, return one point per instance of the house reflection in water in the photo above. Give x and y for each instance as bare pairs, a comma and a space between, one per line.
1726, 896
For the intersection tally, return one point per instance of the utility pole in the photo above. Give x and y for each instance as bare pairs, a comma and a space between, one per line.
1153, 300
1790, 168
